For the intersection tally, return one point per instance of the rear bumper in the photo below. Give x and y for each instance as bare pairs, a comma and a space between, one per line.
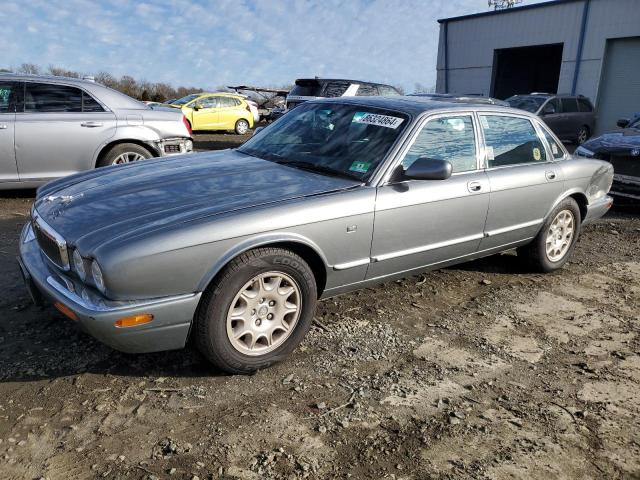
96, 315
597, 209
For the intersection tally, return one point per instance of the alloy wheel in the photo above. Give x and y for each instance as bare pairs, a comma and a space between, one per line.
264, 313
127, 157
560, 235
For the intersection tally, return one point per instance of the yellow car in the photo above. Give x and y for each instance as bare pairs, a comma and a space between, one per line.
216, 111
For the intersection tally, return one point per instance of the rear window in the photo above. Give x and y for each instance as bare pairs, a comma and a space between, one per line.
306, 88
387, 91
569, 105
585, 105
528, 104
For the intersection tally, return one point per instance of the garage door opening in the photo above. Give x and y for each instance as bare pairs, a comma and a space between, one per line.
526, 69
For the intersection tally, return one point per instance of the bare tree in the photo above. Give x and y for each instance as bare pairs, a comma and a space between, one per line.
29, 68
62, 72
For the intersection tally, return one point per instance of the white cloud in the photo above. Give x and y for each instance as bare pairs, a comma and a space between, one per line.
222, 42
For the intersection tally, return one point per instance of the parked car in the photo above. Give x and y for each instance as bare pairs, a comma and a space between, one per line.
253, 106
216, 111
470, 98
236, 246
51, 127
622, 149
314, 88
571, 117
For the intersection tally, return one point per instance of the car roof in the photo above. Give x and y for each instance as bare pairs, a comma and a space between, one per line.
342, 80
113, 99
415, 105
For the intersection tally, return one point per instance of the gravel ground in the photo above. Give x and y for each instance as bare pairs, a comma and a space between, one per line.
478, 371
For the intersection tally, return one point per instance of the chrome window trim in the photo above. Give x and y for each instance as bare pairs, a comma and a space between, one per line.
412, 136
56, 237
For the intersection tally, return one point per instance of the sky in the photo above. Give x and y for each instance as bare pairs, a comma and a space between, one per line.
211, 43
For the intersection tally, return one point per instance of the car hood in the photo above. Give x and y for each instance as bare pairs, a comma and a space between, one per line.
616, 142
92, 208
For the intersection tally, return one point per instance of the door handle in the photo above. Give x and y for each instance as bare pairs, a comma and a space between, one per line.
474, 186
550, 175
91, 124
4, 126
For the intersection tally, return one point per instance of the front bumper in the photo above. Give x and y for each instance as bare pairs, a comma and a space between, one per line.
597, 209
172, 316
173, 146
627, 186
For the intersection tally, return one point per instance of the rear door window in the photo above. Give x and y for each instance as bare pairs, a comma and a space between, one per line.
52, 98
569, 105
511, 141
446, 138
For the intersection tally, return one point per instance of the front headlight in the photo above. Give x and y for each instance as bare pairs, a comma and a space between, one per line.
78, 265
584, 152
96, 273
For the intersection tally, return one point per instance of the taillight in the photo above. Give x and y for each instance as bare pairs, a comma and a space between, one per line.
188, 125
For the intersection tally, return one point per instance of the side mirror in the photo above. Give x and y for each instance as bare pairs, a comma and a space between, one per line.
425, 168
197, 107
623, 122
258, 130
549, 110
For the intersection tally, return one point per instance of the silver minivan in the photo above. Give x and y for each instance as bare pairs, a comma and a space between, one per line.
51, 127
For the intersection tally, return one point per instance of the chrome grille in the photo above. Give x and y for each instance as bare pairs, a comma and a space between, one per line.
50, 242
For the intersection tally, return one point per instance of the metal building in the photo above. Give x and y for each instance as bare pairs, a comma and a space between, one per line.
587, 47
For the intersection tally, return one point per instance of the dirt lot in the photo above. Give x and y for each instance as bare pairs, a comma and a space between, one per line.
479, 371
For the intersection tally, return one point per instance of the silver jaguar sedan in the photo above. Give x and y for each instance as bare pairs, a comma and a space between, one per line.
235, 247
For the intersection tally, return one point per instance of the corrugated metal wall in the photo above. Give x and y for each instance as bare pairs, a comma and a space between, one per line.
472, 42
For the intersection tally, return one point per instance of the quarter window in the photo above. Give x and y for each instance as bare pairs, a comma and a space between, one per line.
585, 105
51, 98
89, 104
446, 138
556, 150
511, 141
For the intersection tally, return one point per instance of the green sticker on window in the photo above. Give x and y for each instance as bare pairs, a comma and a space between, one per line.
360, 167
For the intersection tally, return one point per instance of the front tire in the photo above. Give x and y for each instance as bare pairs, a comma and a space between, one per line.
557, 238
583, 134
242, 126
257, 312
124, 153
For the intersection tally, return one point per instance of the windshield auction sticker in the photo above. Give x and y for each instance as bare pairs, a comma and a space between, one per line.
378, 120
360, 167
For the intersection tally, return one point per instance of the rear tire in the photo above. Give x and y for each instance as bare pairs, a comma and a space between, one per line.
242, 126
124, 153
257, 311
557, 238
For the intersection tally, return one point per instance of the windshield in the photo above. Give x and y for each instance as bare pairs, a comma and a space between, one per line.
529, 104
344, 140
187, 99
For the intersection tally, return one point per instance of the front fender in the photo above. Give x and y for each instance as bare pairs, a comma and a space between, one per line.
256, 242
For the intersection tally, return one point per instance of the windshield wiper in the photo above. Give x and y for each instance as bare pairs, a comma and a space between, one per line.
313, 167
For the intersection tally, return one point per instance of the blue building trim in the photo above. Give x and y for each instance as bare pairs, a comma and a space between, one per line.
583, 30
507, 10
